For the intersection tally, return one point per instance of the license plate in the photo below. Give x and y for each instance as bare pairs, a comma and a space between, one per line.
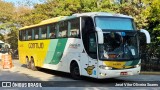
124, 73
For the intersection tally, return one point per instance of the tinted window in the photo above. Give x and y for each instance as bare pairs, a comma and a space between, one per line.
22, 35
63, 28
36, 33
74, 27
52, 32
29, 34
44, 32
114, 23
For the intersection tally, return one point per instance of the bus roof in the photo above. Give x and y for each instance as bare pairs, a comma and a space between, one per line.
48, 21
60, 18
100, 14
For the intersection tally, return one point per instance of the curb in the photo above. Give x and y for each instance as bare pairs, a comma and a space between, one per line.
149, 73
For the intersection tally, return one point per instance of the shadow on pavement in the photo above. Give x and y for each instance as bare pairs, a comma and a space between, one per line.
56, 78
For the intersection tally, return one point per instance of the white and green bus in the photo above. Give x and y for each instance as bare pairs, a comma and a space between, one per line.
96, 44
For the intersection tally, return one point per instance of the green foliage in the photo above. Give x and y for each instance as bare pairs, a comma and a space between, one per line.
13, 38
6, 11
146, 13
154, 20
1, 37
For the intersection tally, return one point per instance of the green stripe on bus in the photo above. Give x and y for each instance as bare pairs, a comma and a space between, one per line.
135, 62
59, 51
51, 50
128, 63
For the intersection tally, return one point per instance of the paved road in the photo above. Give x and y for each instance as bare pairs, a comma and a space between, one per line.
61, 80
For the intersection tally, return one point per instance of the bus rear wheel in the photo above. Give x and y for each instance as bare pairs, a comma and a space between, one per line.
33, 67
74, 71
28, 64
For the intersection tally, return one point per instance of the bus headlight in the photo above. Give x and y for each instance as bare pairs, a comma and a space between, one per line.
105, 67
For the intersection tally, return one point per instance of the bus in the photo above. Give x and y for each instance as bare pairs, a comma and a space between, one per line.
94, 44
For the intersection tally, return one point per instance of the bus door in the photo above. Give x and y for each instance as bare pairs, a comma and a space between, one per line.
92, 52
89, 54
84, 63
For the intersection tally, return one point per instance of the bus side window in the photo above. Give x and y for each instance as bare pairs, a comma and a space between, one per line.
22, 35
92, 45
26, 35
44, 32
74, 27
63, 28
88, 36
52, 33
29, 34
33, 34
36, 33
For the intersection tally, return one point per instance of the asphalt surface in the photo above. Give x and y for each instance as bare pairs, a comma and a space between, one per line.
63, 81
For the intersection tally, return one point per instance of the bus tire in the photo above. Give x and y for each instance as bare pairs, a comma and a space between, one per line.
74, 71
33, 67
28, 64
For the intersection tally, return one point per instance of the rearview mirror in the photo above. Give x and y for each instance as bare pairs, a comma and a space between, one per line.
148, 38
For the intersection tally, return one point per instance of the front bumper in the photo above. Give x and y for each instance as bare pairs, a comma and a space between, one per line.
118, 73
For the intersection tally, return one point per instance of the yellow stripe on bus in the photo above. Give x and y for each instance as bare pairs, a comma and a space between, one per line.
115, 64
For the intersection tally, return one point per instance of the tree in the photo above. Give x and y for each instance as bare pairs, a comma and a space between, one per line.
9, 22
6, 10
13, 38
1, 37
154, 25
145, 13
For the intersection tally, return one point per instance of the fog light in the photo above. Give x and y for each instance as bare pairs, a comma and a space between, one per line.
102, 74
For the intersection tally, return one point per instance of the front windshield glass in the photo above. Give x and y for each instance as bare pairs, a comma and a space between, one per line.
119, 45
114, 23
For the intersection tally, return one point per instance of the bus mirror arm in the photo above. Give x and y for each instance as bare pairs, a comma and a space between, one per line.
148, 38
100, 35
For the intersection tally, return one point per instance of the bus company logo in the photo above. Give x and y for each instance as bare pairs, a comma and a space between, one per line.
89, 69
117, 64
36, 45
75, 46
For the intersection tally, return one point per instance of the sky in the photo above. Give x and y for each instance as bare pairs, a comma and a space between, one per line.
30, 2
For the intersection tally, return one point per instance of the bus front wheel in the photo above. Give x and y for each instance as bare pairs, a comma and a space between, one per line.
74, 71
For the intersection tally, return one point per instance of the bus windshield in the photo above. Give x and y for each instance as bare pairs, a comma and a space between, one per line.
114, 23
119, 45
